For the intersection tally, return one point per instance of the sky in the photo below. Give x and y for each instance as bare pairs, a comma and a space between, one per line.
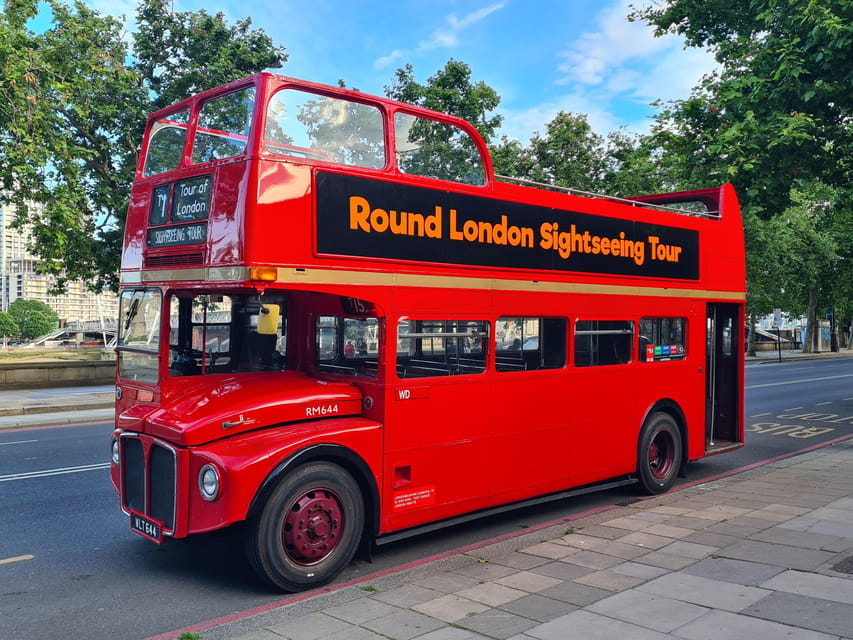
541, 56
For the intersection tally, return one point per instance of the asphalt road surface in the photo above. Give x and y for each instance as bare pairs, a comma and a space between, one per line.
71, 568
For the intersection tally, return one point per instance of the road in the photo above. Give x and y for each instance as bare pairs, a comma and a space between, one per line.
69, 566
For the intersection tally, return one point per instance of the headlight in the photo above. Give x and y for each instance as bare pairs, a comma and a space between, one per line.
114, 451
208, 482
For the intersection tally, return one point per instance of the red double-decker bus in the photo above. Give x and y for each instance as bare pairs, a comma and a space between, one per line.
338, 327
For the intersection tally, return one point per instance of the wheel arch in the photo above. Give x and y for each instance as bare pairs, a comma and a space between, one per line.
337, 454
671, 407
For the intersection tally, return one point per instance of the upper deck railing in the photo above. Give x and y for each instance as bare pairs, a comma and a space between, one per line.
699, 199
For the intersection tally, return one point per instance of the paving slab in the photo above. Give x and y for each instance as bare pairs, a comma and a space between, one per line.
723, 625
736, 571
648, 610
805, 612
562, 570
577, 594
450, 608
360, 610
406, 596
497, 623
528, 581
404, 624
781, 555
452, 633
592, 626
813, 585
795, 538
538, 607
714, 594
309, 627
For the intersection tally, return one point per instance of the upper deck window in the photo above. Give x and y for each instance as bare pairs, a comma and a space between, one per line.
166, 143
437, 150
317, 127
223, 126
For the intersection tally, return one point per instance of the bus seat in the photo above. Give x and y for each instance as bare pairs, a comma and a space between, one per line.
261, 348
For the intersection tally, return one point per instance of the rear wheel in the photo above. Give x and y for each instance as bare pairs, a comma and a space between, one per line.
309, 529
659, 453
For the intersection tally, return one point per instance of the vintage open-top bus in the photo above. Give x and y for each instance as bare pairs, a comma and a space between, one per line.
339, 327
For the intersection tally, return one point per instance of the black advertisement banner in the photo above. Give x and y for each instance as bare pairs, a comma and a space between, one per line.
372, 218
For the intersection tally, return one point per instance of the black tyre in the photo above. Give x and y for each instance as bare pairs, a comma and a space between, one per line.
659, 453
309, 529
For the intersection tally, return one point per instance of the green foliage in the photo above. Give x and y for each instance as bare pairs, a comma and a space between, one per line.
778, 114
777, 122
177, 54
570, 154
33, 318
8, 326
73, 111
450, 91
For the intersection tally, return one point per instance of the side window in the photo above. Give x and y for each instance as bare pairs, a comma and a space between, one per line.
166, 143
347, 346
437, 150
223, 126
528, 344
432, 348
603, 342
317, 127
662, 339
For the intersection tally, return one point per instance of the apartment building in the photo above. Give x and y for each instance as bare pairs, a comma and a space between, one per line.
19, 279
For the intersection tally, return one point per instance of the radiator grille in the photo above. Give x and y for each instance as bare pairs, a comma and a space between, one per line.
175, 259
149, 480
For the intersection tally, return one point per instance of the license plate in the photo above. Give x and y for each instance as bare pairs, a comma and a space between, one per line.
146, 527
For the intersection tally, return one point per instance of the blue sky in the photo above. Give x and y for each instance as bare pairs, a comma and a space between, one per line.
541, 56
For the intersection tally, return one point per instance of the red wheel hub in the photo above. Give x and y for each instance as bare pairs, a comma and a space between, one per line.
661, 454
312, 527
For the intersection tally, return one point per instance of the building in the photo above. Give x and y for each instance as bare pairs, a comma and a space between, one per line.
19, 279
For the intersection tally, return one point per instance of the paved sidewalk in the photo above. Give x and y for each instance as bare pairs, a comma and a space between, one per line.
763, 554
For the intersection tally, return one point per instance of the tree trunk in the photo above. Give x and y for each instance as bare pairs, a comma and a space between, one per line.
750, 347
810, 339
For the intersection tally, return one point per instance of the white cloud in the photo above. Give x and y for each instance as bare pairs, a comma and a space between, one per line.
620, 63
387, 61
444, 37
626, 57
595, 55
449, 36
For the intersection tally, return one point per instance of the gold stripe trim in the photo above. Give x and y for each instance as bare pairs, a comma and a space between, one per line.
389, 279
209, 274
372, 278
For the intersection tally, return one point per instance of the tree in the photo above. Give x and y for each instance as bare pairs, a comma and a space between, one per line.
450, 91
8, 326
569, 154
33, 318
634, 165
73, 108
778, 114
804, 248
776, 122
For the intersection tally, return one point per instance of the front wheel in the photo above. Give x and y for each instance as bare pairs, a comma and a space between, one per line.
309, 529
659, 453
